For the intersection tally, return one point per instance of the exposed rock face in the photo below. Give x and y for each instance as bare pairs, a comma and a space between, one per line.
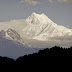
13, 34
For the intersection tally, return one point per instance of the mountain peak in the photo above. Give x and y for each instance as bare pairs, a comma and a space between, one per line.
38, 19
33, 13
38, 15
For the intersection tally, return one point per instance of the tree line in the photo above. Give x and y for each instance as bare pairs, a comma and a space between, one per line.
42, 56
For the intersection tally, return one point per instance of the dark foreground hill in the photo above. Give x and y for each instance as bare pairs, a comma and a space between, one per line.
43, 56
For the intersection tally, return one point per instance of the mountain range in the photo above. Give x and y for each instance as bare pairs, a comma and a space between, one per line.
37, 27
37, 31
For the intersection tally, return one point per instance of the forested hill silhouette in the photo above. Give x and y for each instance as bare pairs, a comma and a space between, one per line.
42, 56
6, 60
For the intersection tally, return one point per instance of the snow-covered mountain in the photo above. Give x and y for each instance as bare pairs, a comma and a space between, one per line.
35, 29
26, 36
44, 27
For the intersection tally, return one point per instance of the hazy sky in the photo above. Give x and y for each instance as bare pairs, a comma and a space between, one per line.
60, 11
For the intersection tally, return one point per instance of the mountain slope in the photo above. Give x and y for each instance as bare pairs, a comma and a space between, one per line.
36, 28
14, 49
45, 27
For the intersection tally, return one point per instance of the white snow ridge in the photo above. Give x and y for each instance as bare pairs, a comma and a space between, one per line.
37, 31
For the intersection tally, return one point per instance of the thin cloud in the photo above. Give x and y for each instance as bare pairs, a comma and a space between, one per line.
64, 0
51, 1
60, 1
30, 2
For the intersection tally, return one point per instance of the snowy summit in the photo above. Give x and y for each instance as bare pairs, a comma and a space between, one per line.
36, 27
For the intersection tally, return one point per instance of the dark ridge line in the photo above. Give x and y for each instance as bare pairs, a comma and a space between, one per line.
42, 56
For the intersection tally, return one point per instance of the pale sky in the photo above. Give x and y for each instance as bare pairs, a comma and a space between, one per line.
60, 11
